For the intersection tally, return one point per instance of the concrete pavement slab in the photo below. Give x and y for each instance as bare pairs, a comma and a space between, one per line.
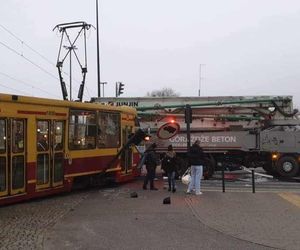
110, 219
264, 218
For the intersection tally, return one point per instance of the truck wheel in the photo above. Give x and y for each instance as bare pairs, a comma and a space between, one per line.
287, 166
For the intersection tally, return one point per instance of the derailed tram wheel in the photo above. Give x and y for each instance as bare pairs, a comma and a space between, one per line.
287, 166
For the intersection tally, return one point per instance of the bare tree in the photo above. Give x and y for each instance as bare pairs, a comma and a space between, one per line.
165, 92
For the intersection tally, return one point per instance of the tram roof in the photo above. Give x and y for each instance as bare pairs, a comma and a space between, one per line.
62, 103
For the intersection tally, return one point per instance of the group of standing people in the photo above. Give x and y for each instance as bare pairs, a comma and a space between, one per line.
196, 159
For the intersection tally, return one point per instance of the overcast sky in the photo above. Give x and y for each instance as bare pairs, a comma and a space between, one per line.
246, 47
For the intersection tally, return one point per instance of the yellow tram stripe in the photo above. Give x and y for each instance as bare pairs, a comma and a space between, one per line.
31, 181
292, 198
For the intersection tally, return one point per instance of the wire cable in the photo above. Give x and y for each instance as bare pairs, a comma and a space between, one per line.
32, 49
16, 90
27, 84
27, 59
39, 54
88, 92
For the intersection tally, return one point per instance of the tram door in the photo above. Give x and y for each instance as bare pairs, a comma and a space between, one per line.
50, 154
12, 156
126, 158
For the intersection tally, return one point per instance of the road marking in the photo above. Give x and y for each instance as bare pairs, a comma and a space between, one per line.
292, 198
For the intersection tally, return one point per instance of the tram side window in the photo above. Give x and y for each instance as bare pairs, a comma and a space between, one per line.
18, 136
42, 142
58, 135
82, 129
2, 136
108, 130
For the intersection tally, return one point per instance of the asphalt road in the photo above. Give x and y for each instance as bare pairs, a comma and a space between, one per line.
107, 218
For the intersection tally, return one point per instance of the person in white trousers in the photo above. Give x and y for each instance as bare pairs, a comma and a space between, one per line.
196, 160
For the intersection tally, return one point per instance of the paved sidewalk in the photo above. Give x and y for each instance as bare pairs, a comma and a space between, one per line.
263, 218
110, 219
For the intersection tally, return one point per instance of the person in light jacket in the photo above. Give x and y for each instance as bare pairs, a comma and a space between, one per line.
196, 159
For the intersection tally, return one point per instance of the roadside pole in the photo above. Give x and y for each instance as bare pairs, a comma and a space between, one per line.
188, 121
223, 178
253, 181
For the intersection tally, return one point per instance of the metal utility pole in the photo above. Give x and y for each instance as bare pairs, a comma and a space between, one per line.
98, 53
188, 121
200, 78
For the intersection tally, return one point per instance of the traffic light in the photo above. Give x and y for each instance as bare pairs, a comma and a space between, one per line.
188, 114
121, 88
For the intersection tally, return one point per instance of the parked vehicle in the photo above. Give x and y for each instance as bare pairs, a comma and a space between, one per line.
260, 131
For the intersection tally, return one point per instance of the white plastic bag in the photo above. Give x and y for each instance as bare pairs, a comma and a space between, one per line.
186, 178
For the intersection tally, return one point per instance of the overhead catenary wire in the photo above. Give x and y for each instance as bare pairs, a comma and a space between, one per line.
30, 61
28, 46
15, 90
35, 51
27, 59
27, 84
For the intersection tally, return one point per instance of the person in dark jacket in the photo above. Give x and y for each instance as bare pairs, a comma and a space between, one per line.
169, 166
150, 162
196, 159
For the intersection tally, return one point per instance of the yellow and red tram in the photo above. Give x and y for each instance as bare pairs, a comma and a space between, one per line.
46, 144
